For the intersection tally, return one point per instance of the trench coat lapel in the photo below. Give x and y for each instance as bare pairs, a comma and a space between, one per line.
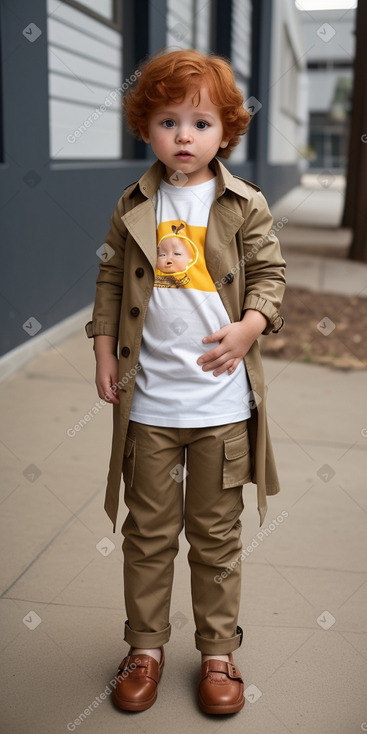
141, 223
140, 220
223, 224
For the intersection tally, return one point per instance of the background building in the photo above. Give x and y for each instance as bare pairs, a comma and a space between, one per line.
66, 157
329, 41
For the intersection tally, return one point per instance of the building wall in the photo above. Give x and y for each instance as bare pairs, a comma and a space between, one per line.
328, 34
287, 66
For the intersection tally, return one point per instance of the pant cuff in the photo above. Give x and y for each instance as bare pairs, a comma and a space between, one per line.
210, 646
146, 639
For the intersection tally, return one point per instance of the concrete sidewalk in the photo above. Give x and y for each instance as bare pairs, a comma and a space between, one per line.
314, 245
304, 654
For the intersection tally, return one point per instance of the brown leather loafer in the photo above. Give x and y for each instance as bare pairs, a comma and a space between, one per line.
137, 681
221, 688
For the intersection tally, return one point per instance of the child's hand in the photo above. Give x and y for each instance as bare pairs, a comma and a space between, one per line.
107, 375
235, 341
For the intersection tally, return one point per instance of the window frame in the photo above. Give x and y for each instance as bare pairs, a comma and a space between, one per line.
116, 23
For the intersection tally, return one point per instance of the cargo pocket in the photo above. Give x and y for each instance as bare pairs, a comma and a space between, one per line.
236, 461
128, 464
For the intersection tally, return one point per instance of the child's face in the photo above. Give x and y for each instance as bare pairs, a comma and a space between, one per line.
186, 137
173, 255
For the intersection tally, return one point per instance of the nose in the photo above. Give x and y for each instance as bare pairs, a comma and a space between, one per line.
184, 134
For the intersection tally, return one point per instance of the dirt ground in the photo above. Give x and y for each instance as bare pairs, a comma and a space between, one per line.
321, 328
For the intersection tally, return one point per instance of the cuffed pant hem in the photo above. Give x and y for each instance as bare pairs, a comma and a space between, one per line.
210, 646
146, 639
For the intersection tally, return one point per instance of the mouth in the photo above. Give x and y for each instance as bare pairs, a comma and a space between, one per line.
184, 154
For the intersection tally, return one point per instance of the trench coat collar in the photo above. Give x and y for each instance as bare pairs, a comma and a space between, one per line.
223, 222
150, 180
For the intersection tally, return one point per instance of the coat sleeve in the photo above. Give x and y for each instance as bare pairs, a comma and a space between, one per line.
264, 264
107, 305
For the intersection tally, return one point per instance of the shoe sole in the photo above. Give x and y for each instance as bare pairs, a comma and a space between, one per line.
131, 706
221, 708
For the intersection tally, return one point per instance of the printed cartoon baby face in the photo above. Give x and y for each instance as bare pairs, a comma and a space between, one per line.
174, 254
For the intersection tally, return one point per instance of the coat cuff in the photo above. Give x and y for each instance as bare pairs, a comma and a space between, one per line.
276, 321
98, 328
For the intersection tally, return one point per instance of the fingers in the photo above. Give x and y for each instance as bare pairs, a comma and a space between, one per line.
110, 397
211, 355
221, 350
215, 364
105, 392
222, 364
233, 366
216, 336
227, 366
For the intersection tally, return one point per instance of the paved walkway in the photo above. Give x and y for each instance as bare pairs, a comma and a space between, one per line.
304, 655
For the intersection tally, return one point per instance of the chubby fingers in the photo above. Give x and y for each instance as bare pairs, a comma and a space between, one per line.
208, 357
105, 392
228, 365
110, 397
216, 336
215, 362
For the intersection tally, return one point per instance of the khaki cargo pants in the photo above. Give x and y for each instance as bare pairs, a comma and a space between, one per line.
215, 463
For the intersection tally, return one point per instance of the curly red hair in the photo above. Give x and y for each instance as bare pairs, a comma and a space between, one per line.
169, 77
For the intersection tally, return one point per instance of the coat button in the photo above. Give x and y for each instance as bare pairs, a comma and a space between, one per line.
229, 278
275, 331
125, 351
135, 311
139, 272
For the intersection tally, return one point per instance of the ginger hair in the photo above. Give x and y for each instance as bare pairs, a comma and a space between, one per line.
170, 76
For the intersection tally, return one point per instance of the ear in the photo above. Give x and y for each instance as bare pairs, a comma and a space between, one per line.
224, 144
144, 136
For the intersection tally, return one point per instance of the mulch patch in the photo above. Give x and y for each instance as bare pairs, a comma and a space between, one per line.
321, 328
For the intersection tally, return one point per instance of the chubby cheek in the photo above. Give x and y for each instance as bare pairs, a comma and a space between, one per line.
160, 138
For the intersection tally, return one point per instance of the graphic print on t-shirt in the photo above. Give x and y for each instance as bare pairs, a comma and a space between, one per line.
171, 389
180, 257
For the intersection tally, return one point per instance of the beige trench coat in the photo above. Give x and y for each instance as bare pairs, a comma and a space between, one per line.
244, 260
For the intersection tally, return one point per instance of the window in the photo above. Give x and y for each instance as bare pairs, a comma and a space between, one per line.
329, 64
84, 63
188, 24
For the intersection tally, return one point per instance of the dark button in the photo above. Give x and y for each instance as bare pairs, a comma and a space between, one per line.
135, 311
275, 331
139, 272
125, 351
229, 278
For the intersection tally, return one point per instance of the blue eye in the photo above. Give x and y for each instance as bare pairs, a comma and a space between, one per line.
201, 125
168, 123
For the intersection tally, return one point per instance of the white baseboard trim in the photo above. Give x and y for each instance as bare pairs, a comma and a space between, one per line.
15, 359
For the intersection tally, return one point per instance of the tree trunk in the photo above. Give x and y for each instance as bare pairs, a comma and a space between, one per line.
355, 207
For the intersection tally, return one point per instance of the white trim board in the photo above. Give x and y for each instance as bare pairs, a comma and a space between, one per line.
15, 359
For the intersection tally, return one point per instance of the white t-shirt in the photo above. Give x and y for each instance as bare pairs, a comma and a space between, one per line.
171, 389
